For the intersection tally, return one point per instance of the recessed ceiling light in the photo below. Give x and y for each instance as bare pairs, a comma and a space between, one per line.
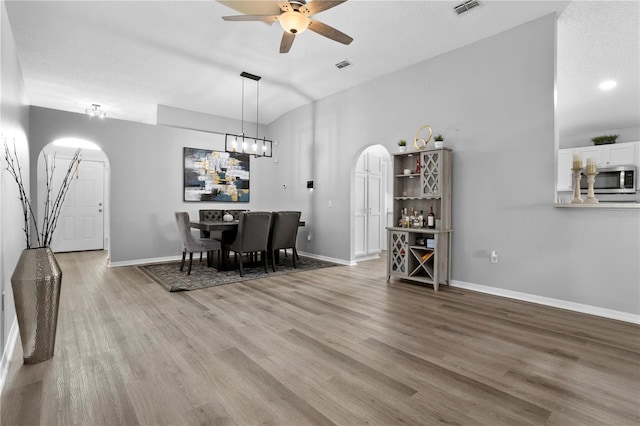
607, 85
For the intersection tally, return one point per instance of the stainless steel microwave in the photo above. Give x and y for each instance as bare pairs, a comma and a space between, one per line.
613, 180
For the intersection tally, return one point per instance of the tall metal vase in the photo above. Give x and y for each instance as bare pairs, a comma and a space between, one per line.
36, 284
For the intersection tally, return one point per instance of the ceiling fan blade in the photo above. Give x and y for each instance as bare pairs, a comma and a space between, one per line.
285, 6
263, 18
287, 41
329, 32
253, 7
317, 6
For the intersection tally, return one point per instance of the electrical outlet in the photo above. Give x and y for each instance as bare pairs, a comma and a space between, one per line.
309, 237
494, 256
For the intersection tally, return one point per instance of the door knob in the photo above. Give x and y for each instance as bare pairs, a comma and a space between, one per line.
99, 210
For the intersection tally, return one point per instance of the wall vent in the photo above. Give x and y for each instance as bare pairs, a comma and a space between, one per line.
466, 6
343, 64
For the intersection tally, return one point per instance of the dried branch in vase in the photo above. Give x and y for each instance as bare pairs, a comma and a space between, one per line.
52, 206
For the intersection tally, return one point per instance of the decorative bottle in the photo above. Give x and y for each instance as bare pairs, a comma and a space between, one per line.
418, 165
431, 218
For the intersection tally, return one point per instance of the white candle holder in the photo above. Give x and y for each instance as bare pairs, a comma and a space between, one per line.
576, 186
591, 199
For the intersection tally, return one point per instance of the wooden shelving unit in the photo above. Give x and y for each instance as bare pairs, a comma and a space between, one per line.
409, 254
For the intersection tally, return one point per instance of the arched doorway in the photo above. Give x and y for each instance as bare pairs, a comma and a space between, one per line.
372, 200
84, 218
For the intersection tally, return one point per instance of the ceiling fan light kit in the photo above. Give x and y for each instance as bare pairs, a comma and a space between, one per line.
295, 18
294, 22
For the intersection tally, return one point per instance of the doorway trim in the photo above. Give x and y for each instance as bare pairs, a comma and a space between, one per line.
96, 155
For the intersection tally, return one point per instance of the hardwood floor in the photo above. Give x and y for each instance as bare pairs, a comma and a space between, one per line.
333, 346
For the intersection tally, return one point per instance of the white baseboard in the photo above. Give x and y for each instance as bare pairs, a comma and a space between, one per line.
328, 259
136, 262
8, 353
548, 301
367, 257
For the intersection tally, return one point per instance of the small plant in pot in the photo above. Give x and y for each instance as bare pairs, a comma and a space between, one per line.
402, 144
604, 139
438, 140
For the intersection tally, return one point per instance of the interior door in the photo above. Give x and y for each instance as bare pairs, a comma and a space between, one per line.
368, 204
81, 222
374, 203
360, 222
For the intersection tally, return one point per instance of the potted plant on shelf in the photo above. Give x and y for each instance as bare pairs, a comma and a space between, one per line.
402, 145
604, 139
438, 140
37, 277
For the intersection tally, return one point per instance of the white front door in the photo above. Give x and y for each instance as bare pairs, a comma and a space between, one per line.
81, 222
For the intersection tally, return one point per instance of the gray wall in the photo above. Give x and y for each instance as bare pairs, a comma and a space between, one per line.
146, 177
492, 100
14, 122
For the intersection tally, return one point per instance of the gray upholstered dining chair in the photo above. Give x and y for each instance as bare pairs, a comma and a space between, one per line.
210, 214
252, 236
191, 244
283, 235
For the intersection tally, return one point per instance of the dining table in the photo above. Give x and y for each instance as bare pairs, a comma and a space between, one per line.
220, 225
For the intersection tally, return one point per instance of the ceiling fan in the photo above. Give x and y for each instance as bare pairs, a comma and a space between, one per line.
295, 17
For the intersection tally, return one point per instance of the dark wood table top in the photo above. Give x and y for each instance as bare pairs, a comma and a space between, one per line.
219, 225
213, 225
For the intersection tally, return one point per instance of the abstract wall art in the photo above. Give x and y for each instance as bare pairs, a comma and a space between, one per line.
215, 176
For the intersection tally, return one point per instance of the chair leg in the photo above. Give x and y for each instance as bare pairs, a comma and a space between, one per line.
241, 272
293, 257
295, 253
190, 261
273, 260
200, 256
184, 253
263, 254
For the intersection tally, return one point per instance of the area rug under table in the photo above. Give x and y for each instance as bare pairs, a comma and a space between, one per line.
168, 275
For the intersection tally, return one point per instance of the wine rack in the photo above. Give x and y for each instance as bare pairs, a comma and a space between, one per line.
422, 182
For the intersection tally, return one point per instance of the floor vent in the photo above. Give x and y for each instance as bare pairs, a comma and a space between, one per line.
466, 6
343, 64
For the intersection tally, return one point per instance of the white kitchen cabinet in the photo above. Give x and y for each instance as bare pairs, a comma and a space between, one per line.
619, 154
606, 156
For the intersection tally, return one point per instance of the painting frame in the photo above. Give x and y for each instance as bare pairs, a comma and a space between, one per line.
215, 176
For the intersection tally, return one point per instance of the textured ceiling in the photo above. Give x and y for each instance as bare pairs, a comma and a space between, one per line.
597, 41
130, 56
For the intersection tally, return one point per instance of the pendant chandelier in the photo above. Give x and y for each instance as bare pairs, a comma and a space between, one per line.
243, 144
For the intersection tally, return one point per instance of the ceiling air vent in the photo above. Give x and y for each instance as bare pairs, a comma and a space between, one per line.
343, 64
466, 6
